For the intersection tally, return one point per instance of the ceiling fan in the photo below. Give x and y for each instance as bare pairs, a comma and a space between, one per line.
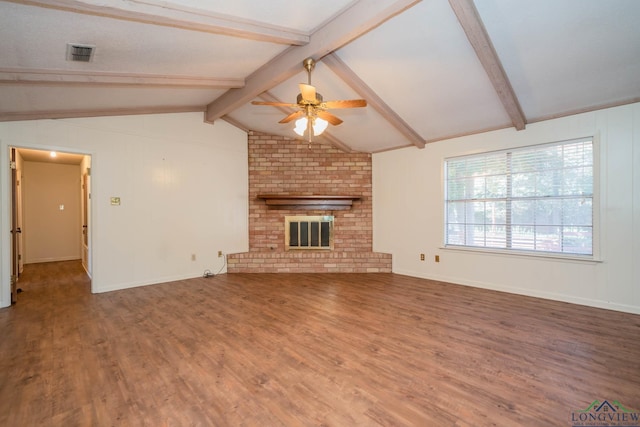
312, 115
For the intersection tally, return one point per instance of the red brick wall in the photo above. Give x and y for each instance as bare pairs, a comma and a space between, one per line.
282, 165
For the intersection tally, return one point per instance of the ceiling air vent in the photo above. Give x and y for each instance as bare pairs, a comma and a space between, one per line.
80, 52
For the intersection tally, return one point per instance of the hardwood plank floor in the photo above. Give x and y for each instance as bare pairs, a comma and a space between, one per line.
304, 349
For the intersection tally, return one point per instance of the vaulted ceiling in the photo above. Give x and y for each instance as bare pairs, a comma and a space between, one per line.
430, 70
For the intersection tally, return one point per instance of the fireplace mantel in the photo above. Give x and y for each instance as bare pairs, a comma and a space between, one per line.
331, 202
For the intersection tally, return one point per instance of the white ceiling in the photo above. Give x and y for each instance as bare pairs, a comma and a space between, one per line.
430, 70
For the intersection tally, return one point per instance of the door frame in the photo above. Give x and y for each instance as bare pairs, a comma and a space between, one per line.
6, 205
86, 219
15, 239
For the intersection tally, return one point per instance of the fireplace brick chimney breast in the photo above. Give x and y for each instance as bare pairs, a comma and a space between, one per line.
279, 165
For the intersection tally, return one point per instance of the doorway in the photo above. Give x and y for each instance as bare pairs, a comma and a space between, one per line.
51, 209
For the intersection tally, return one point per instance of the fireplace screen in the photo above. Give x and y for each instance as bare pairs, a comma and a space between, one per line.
308, 232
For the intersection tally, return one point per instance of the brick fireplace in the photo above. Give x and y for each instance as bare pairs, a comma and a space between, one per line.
283, 166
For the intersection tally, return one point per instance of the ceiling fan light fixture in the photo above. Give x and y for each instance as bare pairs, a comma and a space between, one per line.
301, 126
319, 125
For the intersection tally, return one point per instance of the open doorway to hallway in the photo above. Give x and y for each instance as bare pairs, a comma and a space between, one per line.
51, 209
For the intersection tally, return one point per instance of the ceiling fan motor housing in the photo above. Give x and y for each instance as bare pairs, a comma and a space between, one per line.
300, 100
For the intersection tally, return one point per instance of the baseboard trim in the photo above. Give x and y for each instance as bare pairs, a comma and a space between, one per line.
607, 305
57, 259
157, 281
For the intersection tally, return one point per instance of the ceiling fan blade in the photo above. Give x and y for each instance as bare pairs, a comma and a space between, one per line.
334, 120
292, 116
275, 104
308, 93
345, 103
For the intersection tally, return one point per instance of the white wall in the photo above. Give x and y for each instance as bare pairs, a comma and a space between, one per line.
51, 233
408, 215
183, 186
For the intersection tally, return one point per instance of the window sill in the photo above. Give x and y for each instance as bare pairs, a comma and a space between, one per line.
526, 254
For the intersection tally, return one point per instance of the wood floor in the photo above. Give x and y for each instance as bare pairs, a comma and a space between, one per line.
304, 350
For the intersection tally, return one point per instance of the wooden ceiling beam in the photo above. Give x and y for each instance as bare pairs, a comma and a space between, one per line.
97, 78
337, 143
356, 83
161, 13
72, 114
355, 21
476, 32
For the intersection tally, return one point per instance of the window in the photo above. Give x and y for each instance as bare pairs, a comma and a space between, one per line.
528, 199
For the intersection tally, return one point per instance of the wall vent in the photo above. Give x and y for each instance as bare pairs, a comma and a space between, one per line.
80, 52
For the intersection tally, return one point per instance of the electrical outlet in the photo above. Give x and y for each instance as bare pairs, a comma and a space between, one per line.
421, 257
437, 258
219, 254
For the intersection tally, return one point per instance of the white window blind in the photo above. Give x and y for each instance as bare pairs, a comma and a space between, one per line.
530, 199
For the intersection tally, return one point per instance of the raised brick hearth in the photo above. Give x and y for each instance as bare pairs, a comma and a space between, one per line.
279, 165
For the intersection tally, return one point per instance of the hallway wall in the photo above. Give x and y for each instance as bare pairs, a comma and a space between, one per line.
51, 208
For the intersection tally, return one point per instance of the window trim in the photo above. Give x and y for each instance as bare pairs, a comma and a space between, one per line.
595, 257
523, 253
